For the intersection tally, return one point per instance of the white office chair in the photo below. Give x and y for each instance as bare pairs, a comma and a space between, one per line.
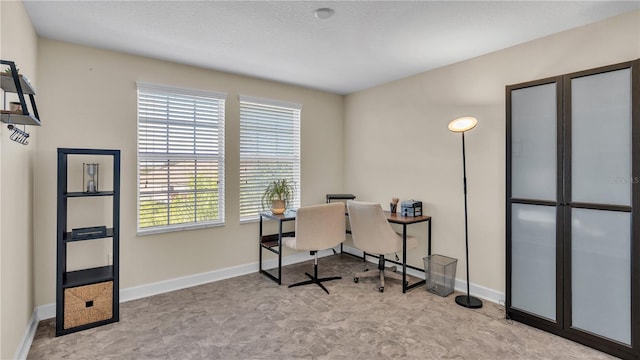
318, 227
372, 233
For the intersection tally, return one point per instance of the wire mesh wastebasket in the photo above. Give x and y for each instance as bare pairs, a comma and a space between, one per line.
440, 272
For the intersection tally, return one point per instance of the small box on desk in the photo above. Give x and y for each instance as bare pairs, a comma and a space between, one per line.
411, 208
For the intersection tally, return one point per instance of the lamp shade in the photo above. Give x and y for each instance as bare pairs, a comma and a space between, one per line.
463, 124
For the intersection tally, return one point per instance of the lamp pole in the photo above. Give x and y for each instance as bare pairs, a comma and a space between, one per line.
462, 125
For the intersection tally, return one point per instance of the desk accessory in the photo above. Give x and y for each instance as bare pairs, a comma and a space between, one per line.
339, 197
411, 208
460, 125
393, 205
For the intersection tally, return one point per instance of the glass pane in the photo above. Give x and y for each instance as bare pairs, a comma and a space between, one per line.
533, 254
601, 138
600, 273
533, 142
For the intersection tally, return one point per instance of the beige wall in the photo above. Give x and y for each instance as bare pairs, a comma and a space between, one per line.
18, 43
87, 98
397, 142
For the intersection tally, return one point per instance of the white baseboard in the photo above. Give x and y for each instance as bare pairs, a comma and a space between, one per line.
27, 339
48, 311
460, 285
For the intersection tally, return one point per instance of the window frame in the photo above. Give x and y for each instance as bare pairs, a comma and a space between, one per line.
294, 147
218, 158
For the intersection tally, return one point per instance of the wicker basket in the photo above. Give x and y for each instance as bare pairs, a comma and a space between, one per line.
88, 304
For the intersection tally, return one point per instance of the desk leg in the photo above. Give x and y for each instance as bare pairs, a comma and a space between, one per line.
429, 234
279, 252
404, 258
267, 273
260, 246
405, 284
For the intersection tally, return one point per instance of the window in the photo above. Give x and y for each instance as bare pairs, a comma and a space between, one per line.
180, 158
269, 150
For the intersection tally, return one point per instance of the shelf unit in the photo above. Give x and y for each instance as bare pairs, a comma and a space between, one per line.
89, 297
18, 84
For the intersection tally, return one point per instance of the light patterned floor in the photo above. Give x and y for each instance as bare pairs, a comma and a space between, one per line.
251, 317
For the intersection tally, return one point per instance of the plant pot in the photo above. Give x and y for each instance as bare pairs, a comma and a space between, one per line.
278, 207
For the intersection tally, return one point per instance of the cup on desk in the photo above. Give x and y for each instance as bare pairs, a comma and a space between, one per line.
393, 207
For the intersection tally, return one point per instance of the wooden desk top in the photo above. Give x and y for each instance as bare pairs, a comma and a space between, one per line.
397, 218
287, 216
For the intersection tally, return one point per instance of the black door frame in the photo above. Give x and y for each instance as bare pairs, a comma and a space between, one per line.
562, 325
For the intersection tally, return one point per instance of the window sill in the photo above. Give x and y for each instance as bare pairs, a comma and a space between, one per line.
162, 230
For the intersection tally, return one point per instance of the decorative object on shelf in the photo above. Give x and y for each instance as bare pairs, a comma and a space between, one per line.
393, 205
411, 208
278, 195
89, 232
88, 304
17, 135
91, 180
18, 112
461, 125
15, 106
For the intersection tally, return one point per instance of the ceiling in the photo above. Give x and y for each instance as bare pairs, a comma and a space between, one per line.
365, 43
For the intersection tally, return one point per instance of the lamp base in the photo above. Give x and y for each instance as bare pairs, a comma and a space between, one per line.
468, 301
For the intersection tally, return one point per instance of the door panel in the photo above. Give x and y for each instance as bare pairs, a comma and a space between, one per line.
533, 251
533, 142
600, 273
601, 138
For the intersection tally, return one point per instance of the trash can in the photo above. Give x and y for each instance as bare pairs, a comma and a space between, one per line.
440, 274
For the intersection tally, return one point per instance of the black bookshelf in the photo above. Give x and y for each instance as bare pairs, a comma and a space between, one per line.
88, 297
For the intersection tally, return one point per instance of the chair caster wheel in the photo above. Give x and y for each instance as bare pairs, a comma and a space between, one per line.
381, 288
355, 280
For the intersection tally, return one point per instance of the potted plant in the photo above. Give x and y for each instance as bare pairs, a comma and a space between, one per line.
8, 72
278, 195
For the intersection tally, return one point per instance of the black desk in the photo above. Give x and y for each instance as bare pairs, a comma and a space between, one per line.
273, 243
396, 218
269, 242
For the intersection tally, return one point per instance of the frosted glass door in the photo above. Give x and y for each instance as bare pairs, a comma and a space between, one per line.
601, 138
573, 194
533, 142
533, 253
601, 188
600, 273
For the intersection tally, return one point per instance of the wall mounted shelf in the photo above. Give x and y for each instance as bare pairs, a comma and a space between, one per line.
17, 83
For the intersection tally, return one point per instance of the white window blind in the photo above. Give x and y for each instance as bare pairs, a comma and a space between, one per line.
269, 150
180, 158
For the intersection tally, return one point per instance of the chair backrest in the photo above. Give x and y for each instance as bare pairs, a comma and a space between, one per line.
320, 227
370, 230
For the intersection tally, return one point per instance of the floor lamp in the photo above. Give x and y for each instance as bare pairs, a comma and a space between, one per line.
460, 125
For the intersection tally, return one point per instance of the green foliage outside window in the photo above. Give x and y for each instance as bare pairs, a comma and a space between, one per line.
199, 202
